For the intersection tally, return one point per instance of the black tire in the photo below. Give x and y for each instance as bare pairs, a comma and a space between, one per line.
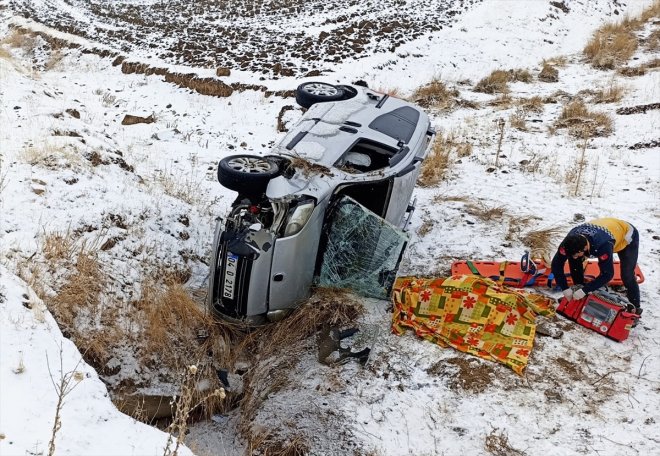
246, 174
349, 92
309, 93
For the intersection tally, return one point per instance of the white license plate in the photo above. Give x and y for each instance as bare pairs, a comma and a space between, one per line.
230, 276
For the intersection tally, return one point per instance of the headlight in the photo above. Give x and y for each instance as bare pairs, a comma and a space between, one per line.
299, 217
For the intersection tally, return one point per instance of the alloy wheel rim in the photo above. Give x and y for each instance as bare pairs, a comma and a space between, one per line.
321, 89
249, 165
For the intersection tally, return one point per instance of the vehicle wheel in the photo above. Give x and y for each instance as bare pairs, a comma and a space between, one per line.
246, 174
309, 93
349, 92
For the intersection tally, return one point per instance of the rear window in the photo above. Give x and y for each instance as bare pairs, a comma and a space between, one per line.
398, 124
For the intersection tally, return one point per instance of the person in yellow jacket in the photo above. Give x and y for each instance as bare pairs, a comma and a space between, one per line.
599, 238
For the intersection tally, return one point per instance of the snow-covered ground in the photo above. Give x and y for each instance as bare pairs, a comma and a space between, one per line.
69, 166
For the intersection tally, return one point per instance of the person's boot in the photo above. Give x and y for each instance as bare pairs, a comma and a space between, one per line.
638, 311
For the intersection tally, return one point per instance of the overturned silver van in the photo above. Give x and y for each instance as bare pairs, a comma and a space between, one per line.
354, 152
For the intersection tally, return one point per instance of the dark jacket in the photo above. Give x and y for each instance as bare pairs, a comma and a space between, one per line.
601, 246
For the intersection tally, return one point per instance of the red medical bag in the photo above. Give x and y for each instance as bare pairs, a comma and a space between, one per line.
605, 316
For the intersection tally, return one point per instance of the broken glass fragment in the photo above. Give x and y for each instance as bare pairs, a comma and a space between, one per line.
363, 251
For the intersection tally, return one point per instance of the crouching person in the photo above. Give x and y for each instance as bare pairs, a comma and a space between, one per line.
599, 238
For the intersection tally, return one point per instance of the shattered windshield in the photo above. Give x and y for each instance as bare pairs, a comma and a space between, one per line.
363, 251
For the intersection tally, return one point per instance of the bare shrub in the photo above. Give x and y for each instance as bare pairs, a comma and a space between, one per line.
435, 94
66, 383
518, 119
534, 164
495, 82
187, 400
583, 123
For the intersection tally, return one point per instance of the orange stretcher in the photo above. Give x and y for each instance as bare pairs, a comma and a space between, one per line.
510, 272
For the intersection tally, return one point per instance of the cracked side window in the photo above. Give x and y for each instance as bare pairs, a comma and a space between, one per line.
362, 251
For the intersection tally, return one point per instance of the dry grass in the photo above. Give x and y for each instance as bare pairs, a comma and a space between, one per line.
391, 91
276, 348
497, 444
558, 61
436, 95
549, 73
498, 80
542, 241
520, 75
517, 224
77, 304
611, 94
426, 227
484, 212
165, 328
534, 164
439, 199
639, 70
5, 54
20, 39
58, 246
50, 155
652, 42
267, 444
518, 119
185, 187
652, 12
583, 123
171, 323
495, 82
534, 104
612, 45
502, 101
440, 159
464, 373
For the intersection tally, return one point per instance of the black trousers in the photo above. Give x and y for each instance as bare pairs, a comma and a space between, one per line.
627, 262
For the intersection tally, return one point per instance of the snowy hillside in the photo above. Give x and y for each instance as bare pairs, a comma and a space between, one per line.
106, 226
